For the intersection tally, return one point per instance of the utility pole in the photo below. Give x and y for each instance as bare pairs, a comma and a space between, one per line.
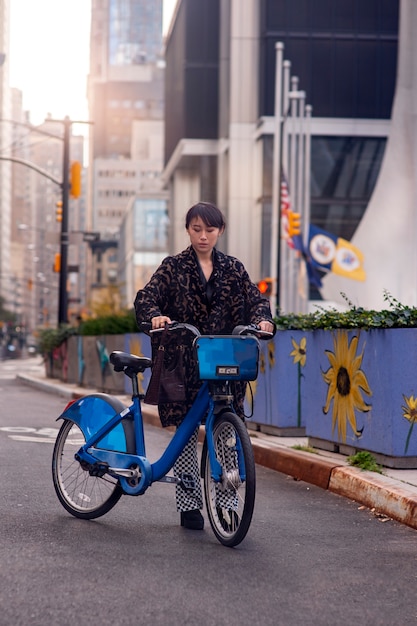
63, 274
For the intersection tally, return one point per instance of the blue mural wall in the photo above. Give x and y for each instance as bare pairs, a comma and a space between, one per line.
353, 388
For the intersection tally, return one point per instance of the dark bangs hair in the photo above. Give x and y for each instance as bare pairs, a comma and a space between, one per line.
209, 213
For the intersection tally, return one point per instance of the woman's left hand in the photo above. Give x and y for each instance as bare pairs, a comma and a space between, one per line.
266, 326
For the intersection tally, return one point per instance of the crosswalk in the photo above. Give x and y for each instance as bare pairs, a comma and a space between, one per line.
9, 368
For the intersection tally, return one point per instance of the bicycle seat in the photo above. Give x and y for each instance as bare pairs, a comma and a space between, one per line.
124, 360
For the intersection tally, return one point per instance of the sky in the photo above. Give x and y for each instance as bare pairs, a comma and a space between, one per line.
49, 55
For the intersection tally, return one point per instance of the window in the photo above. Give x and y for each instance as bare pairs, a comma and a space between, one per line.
344, 171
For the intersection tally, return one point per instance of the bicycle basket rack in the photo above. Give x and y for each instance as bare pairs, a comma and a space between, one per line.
227, 358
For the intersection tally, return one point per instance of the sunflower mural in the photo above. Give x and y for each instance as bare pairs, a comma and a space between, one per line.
266, 364
299, 355
346, 382
103, 356
410, 414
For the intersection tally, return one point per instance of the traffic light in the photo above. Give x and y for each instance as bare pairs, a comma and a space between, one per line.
58, 211
294, 223
75, 179
57, 262
265, 286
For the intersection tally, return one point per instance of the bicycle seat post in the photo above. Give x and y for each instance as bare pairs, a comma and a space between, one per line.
135, 387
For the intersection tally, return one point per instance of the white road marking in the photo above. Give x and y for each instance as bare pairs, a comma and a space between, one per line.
33, 435
31, 439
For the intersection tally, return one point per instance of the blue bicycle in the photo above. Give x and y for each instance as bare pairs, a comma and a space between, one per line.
100, 453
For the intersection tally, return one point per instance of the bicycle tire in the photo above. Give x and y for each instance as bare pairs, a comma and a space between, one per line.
82, 495
230, 503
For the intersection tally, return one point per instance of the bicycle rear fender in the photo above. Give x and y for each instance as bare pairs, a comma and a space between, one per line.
92, 412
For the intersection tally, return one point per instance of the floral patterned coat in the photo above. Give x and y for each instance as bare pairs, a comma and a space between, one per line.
179, 290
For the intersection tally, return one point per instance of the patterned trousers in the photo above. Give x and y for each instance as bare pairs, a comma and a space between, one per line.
187, 464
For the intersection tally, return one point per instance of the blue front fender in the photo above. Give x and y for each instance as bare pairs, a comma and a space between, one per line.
92, 412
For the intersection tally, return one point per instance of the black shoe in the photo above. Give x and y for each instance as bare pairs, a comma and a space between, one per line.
192, 519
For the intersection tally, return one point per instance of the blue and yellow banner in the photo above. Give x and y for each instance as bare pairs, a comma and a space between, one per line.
330, 253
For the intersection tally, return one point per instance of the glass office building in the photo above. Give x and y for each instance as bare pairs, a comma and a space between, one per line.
344, 54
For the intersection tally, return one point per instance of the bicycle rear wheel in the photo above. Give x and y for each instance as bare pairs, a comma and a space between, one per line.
81, 494
230, 503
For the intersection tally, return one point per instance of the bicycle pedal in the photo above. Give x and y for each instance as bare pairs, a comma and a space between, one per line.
187, 482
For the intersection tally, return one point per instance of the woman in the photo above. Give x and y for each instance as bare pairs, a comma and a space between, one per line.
212, 291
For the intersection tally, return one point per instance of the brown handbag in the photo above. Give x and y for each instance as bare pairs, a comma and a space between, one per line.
167, 382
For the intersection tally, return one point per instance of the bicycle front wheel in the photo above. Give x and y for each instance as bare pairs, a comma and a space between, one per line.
81, 494
230, 502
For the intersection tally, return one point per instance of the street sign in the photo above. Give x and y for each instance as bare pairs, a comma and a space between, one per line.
76, 237
91, 236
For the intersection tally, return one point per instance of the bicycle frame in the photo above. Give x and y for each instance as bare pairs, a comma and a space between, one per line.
120, 463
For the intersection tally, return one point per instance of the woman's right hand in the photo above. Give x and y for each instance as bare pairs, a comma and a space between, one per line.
159, 321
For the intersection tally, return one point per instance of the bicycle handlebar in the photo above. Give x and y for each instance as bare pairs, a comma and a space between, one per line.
249, 329
252, 329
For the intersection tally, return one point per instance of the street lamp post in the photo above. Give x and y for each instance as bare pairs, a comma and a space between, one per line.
63, 274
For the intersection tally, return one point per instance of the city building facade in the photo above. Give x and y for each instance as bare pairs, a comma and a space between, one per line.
126, 102
7, 291
220, 82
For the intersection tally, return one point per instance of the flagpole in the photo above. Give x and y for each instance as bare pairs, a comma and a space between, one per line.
307, 165
292, 181
301, 296
284, 259
275, 252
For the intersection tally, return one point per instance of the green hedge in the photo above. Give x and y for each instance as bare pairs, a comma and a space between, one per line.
396, 315
50, 338
110, 325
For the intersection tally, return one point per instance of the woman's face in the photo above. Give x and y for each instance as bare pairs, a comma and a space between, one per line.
203, 238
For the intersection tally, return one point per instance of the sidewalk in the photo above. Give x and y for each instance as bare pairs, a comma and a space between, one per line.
390, 495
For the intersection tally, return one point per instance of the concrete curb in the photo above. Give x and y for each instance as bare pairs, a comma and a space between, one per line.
48, 387
388, 497
375, 491
301, 465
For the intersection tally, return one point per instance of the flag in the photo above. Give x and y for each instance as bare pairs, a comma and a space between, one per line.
348, 261
314, 277
334, 254
296, 241
313, 274
321, 248
285, 208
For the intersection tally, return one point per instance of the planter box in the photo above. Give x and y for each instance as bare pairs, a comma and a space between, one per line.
345, 390
279, 393
360, 387
84, 361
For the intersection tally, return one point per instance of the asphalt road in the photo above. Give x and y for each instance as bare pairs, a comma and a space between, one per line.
310, 557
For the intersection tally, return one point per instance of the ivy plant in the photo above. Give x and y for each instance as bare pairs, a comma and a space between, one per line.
397, 315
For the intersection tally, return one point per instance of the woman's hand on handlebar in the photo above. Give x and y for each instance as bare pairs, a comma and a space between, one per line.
255, 329
266, 326
159, 321
158, 324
